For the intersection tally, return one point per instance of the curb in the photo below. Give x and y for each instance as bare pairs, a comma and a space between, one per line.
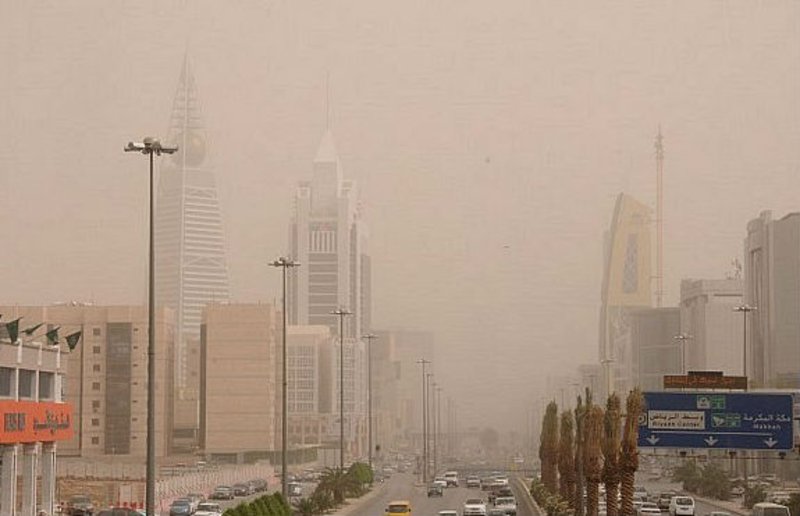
530, 502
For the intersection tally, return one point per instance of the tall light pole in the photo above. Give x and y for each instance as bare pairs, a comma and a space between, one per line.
429, 379
151, 146
284, 263
369, 338
342, 313
682, 338
424, 421
438, 427
745, 309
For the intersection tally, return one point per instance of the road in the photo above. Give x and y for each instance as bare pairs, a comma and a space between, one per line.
653, 488
401, 487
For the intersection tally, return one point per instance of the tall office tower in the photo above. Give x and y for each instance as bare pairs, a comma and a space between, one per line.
771, 284
626, 287
329, 239
191, 269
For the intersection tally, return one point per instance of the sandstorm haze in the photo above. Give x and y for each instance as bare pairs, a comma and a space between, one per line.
489, 141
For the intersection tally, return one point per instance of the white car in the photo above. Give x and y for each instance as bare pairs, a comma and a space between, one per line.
452, 478
649, 509
681, 506
474, 507
439, 481
507, 504
208, 509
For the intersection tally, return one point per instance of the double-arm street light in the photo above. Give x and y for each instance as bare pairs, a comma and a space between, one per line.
150, 147
284, 263
682, 338
745, 309
369, 338
341, 313
424, 420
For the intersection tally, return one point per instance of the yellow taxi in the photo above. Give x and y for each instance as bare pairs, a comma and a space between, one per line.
399, 508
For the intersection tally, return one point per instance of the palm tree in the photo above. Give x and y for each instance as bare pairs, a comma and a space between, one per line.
305, 507
629, 454
338, 484
611, 471
548, 447
566, 460
593, 457
580, 416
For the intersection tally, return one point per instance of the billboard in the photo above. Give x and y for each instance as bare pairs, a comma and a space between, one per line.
32, 421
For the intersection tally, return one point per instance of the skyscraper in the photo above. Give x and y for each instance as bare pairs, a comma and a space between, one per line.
191, 268
329, 238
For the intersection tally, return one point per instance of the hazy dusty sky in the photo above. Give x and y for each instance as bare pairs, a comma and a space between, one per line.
470, 126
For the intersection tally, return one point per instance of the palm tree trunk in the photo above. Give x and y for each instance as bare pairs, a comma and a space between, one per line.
548, 448
580, 416
611, 443
593, 460
629, 455
566, 460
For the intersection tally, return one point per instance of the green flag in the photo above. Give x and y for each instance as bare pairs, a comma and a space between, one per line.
73, 339
29, 331
52, 336
13, 329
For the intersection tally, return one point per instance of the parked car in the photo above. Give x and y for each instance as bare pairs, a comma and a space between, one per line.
682, 506
79, 505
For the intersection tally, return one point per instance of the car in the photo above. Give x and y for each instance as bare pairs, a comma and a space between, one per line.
451, 477
222, 493
398, 508
501, 479
439, 481
474, 507
649, 509
196, 498
486, 483
681, 506
770, 509
435, 490
473, 481
295, 489
241, 489
79, 505
181, 507
737, 490
779, 497
208, 509
641, 492
499, 490
507, 503
664, 499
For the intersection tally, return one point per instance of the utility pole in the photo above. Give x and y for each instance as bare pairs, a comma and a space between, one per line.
341, 312
369, 338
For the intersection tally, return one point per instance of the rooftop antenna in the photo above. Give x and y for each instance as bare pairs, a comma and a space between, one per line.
659, 145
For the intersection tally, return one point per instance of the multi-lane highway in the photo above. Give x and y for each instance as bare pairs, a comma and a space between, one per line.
401, 486
701, 508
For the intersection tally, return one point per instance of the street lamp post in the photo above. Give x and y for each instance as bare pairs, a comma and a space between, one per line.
438, 427
369, 338
424, 421
431, 422
745, 309
341, 312
682, 338
284, 263
151, 146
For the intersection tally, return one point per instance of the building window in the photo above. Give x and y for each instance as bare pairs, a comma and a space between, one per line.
26, 383
95, 440
95, 332
96, 350
95, 405
47, 386
6, 382
96, 368
95, 386
95, 421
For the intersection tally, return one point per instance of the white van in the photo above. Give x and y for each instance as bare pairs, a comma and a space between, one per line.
681, 506
452, 478
770, 509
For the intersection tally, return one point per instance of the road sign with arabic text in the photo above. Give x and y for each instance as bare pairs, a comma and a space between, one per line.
742, 421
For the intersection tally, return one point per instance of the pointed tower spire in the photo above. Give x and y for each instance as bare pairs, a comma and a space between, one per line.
186, 121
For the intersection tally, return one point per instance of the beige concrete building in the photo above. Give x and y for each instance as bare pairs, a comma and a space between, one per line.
239, 366
107, 383
310, 350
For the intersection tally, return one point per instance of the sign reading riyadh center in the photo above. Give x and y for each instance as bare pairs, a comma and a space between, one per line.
741, 421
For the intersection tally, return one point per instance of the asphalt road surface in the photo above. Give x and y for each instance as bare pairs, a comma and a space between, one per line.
701, 508
401, 487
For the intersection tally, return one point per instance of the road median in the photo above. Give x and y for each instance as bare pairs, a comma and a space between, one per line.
525, 497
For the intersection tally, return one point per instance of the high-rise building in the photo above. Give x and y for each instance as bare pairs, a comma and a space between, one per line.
309, 377
772, 283
191, 268
626, 288
107, 376
712, 328
328, 237
240, 401
654, 350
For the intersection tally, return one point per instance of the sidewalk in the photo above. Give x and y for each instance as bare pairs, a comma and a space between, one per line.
352, 504
731, 506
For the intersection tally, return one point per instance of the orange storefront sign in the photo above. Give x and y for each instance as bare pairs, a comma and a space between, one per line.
31, 421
